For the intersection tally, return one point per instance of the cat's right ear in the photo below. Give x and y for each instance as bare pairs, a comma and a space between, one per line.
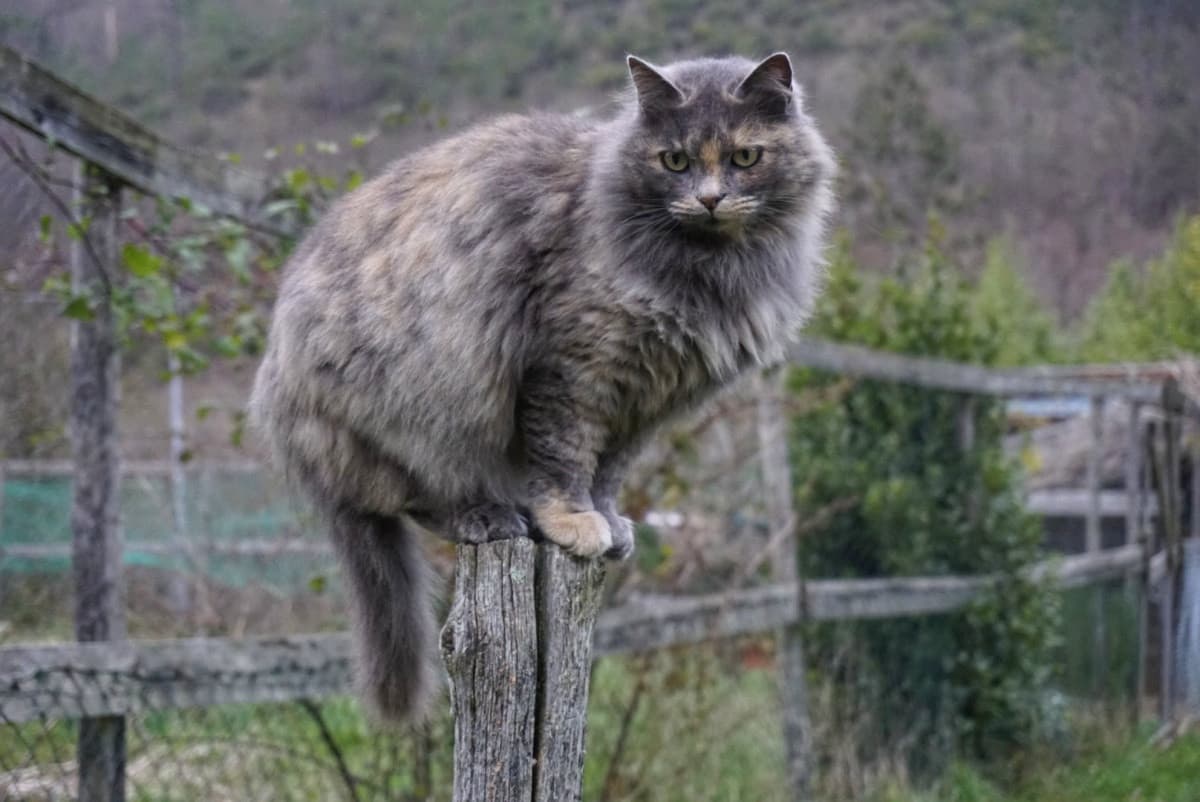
654, 92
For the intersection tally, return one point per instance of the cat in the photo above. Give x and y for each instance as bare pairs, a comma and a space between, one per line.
478, 341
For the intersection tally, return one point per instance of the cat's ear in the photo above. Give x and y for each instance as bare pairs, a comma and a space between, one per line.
654, 92
769, 84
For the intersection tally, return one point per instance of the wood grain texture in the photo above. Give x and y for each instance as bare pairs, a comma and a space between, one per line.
489, 645
517, 645
569, 597
39, 101
95, 527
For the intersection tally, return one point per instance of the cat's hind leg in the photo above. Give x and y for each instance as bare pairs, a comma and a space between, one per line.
476, 522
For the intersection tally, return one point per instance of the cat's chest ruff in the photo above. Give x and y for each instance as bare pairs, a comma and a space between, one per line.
661, 366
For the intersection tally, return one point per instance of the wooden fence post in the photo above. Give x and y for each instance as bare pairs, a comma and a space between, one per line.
1094, 542
1135, 532
1193, 452
517, 645
178, 590
781, 519
1170, 491
96, 536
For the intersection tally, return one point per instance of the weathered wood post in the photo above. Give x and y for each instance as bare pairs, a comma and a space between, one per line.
1171, 514
1136, 532
781, 518
178, 590
95, 532
517, 645
1094, 543
3, 479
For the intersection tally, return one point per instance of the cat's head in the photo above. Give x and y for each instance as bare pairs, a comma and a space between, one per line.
719, 149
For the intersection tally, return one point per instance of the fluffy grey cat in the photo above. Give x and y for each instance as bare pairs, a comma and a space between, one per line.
479, 340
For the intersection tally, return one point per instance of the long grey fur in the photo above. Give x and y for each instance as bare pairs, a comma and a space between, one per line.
479, 340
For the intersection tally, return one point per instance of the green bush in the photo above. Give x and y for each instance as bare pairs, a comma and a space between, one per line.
1151, 314
915, 501
1016, 320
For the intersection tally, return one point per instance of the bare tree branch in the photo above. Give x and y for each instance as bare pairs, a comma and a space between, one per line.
17, 156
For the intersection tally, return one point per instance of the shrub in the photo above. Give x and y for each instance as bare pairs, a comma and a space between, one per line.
922, 502
1116, 325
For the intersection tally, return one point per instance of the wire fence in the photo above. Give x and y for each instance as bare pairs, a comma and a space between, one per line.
239, 524
678, 684
302, 750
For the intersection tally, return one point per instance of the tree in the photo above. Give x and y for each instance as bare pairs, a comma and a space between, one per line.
1116, 325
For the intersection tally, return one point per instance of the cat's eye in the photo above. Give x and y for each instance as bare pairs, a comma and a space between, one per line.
746, 157
675, 160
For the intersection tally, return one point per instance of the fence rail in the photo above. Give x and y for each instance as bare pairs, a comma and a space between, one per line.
60, 113
1077, 503
75, 680
940, 374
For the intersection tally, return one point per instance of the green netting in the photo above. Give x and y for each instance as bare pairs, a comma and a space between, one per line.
221, 506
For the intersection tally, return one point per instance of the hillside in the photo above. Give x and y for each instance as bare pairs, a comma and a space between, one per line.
1072, 127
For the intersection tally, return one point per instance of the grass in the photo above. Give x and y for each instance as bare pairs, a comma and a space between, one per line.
1130, 771
695, 725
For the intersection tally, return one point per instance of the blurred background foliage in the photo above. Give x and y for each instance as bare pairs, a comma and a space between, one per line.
932, 494
1068, 127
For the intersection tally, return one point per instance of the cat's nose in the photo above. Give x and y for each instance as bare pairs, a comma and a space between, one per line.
710, 201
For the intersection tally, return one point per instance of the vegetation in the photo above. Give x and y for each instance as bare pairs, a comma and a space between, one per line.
965, 108
703, 728
1127, 770
928, 466
1116, 325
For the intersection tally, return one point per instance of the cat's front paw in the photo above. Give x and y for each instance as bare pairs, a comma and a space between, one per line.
584, 533
622, 535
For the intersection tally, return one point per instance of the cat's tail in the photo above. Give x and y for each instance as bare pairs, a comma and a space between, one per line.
388, 583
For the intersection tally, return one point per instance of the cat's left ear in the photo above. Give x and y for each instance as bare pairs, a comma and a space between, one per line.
770, 84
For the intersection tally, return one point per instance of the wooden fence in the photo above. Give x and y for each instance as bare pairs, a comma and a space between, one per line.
77, 680
100, 682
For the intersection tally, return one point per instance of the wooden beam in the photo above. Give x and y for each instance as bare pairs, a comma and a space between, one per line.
1094, 456
657, 622
853, 360
95, 498
1092, 537
39, 101
781, 532
1074, 503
